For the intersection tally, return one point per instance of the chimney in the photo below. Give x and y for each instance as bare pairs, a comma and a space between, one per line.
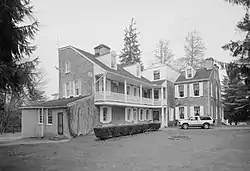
101, 50
209, 63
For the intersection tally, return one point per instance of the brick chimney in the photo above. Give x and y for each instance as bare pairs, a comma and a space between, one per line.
209, 63
101, 50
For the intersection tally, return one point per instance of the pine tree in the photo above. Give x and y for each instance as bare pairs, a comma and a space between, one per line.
131, 52
240, 49
163, 53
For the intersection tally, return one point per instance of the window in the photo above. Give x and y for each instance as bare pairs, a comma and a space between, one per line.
40, 116
156, 94
156, 75
205, 118
141, 114
164, 93
77, 87
181, 112
189, 72
135, 91
147, 114
67, 67
181, 90
67, 89
128, 90
196, 89
113, 61
105, 114
115, 86
50, 118
197, 110
129, 112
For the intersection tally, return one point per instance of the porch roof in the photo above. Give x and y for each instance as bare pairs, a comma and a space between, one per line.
58, 103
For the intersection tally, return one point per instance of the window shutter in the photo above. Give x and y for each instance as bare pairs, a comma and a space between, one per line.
80, 86
150, 114
65, 90
176, 91
126, 114
191, 90
70, 88
201, 88
185, 90
185, 112
191, 111
74, 88
101, 114
109, 114
176, 113
201, 111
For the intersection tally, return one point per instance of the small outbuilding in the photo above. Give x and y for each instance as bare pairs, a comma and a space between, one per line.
69, 117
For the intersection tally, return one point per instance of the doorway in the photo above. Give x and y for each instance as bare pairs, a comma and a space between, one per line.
60, 123
156, 116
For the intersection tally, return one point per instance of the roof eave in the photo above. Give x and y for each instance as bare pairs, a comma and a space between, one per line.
40, 107
187, 81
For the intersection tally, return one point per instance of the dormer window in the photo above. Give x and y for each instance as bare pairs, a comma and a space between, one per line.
189, 73
157, 75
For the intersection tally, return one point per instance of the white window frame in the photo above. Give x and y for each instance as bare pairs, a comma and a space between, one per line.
180, 112
198, 90
109, 114
179, 91
199, 110
187, 76
154, 72
131, 114
48, 117
141, 112
67, 86
67, 67
40, 112
77, 86
147, 115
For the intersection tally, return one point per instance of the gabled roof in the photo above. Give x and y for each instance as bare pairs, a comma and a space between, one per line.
63, 102
200, 74
119, 70
158, 82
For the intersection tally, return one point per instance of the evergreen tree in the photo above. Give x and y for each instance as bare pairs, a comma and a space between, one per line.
240, 69
194, 49
131, 52
163, 53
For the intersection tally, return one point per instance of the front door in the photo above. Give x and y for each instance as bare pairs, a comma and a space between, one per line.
60, 123
156, 116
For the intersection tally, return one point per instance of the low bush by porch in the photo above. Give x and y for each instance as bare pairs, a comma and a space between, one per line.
123, 130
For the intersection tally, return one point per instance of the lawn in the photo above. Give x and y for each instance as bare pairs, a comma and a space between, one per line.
213, 149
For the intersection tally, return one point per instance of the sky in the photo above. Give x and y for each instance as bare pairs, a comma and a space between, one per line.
86, 24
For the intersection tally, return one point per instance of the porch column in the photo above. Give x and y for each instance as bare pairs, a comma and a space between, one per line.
141, 93
125, 90
162, 118
153, 96
162, 100
104, 86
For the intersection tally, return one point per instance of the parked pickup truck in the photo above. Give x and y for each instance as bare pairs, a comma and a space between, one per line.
197, 121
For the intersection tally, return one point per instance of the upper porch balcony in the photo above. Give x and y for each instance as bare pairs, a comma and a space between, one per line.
110, 89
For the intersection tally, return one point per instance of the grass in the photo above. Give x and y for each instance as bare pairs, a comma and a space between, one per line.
203, 150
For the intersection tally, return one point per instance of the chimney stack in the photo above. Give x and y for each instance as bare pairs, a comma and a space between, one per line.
101, 50
209, 63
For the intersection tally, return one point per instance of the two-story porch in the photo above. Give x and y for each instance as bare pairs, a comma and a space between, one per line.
124, 100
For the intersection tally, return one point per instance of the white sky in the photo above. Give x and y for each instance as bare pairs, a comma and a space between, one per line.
85, 24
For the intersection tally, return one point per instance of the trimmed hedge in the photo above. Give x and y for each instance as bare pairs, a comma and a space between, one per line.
123, 130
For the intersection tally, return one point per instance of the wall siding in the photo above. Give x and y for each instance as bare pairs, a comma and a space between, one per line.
80, 68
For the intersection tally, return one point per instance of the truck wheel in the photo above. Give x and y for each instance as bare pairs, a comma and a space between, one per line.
185, 126
206, 126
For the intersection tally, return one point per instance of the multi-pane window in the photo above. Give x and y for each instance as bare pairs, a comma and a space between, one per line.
77, 87
196, 89
147, 114
135, 91
128, 90
50, 118
181, 90
164, 93
156, 75
40, 116
181, 112
141, 114
197, 110
189, 72
129, 114
105, 114
67, 67
67, 89
156, 94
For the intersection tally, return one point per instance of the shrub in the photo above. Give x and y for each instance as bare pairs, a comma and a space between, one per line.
123, 130
172, 123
